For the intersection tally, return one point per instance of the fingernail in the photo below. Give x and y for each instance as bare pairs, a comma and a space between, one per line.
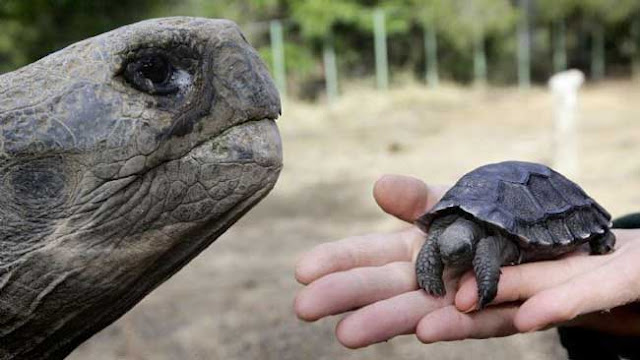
472, 308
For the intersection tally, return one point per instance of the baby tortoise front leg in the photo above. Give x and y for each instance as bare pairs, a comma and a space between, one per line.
491, 253
429, 265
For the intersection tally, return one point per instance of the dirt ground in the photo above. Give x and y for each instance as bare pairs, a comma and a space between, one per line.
234, 300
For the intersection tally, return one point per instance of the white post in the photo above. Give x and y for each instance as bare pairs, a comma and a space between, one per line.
564, 86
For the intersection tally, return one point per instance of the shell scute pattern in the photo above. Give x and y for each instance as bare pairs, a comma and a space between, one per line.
537, 205
558, 227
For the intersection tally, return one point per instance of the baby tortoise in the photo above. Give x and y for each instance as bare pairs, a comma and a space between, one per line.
505, 214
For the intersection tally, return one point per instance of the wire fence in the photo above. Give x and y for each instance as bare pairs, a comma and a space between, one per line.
279, 29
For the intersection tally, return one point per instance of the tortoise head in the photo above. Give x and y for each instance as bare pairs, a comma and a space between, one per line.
458, 239
121, 158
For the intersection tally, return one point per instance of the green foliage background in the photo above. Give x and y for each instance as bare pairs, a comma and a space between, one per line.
30, 29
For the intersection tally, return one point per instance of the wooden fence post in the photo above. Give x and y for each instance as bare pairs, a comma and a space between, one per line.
479, 61
277, 52
330, 70
559, 46
524, 44
597, 52
431, 56
380, 38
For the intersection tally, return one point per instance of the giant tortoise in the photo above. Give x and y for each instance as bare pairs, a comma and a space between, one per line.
121, 158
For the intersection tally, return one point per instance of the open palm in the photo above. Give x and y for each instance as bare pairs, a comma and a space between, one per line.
373, 278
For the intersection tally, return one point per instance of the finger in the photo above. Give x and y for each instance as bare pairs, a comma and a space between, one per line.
386, 319
358, 251
347, 290
405, 197
448, 324
605, 287
521, 282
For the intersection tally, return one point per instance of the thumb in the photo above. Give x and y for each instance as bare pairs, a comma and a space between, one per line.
405, 197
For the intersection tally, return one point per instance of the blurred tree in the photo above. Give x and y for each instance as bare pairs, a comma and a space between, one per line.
434, 16
243, 12
31, 29
475, 22
464, 24
556, 12
317, 20
601, 13
463, 34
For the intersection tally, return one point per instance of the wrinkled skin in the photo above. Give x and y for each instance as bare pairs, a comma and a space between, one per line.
111, 183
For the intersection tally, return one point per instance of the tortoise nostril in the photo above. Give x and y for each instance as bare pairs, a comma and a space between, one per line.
457, 253
461, 250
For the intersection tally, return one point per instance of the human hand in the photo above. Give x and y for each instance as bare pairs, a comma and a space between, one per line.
599, 292
373, 274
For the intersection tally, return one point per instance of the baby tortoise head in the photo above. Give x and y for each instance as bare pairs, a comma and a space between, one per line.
121, 158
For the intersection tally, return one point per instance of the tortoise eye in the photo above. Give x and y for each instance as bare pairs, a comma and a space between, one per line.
151, 74
155, 69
